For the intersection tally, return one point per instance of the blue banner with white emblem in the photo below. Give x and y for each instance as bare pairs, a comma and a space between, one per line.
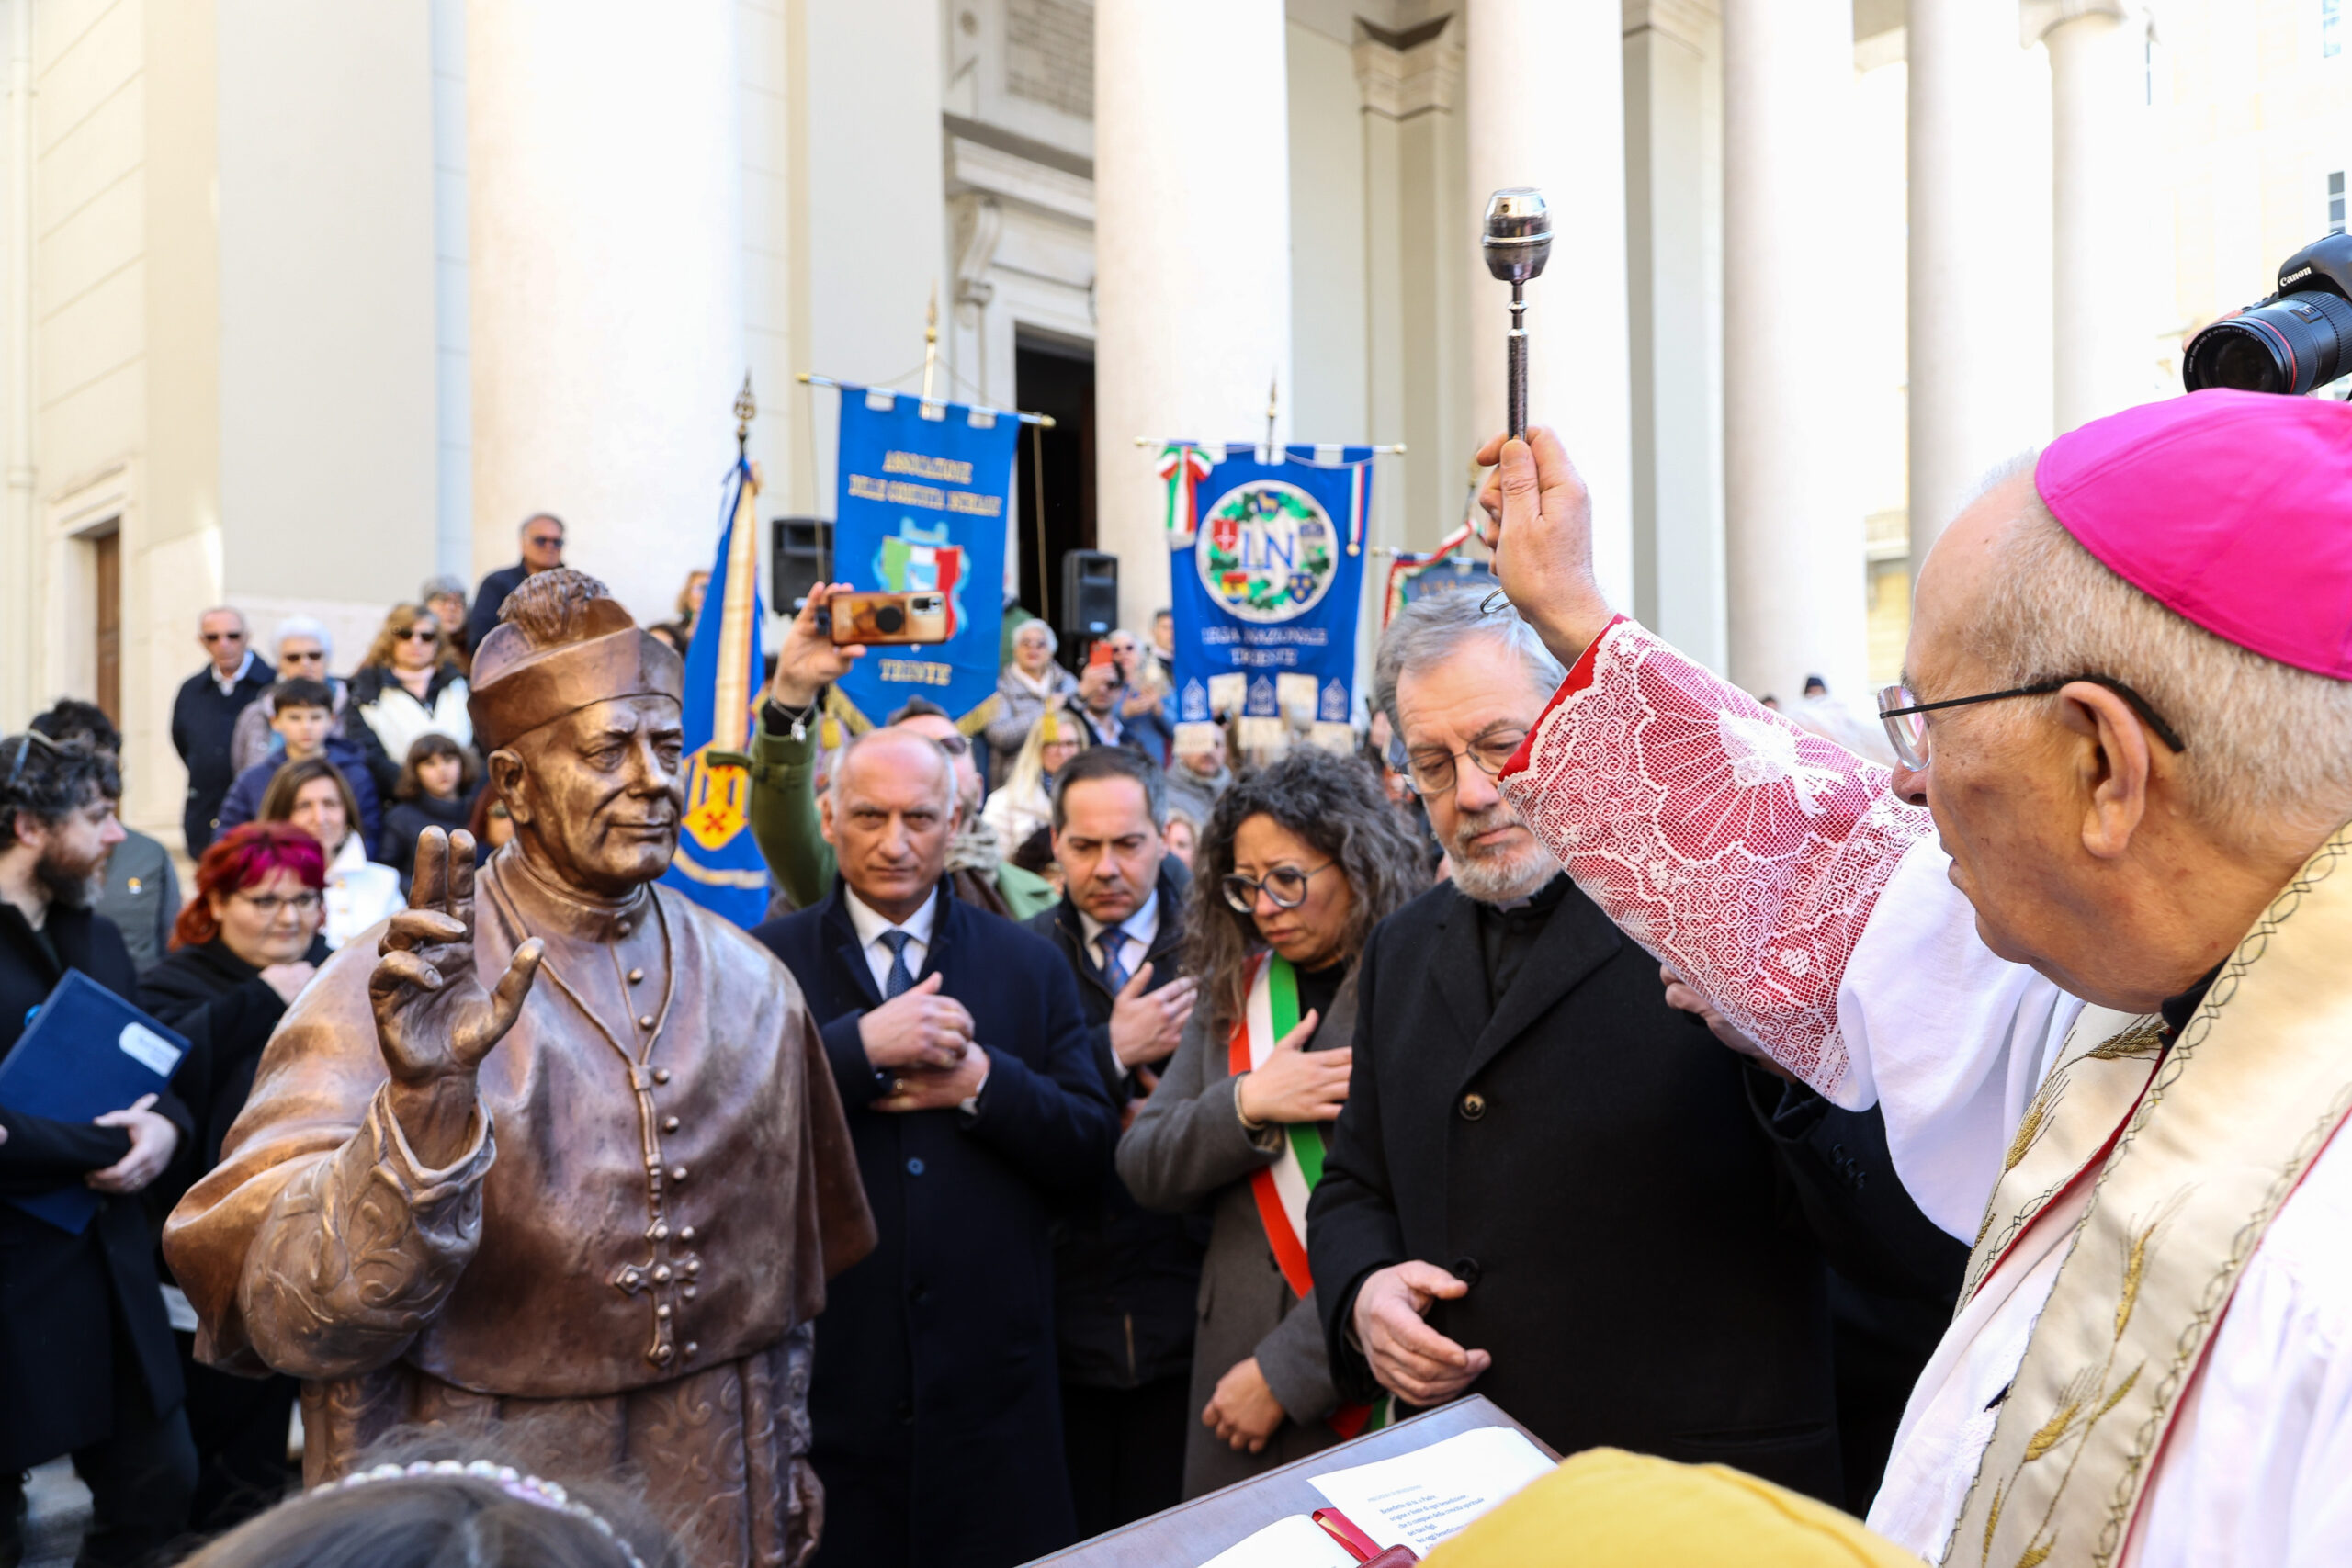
1266, 577
924, 492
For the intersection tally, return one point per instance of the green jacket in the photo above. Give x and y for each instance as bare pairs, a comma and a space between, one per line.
785, 823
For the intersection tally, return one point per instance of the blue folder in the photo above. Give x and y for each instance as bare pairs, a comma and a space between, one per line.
85, 1053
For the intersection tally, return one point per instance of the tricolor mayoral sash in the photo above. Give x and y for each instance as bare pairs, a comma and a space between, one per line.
1281, 1188
2190, 1152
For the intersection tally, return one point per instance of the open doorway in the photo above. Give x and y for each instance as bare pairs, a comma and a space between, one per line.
1053, 377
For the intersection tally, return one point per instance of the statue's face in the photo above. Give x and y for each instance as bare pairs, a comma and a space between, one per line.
596, 796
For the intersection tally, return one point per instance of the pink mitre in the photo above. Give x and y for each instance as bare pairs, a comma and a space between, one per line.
2232, 508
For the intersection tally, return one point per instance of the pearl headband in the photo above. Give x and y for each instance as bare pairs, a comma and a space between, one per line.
506, 1478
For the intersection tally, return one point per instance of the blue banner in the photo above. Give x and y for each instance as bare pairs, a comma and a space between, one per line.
1266, 577
924, 492
718, 862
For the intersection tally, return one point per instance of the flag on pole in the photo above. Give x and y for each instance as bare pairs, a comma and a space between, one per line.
718, 862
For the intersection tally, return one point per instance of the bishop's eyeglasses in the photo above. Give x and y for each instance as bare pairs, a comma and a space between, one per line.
1906, 725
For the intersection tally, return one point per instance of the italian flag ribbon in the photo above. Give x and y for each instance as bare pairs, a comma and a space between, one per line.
1282, 1187
1183, 466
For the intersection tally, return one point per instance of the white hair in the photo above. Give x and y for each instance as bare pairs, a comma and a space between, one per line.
305, 625
1053, 643
2269, 745
841, 762
1431, 629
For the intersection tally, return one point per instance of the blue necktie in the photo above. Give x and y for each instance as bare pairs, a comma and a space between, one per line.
899, 980
1112, 941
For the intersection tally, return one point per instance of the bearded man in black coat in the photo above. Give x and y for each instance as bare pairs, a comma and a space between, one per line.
1547, 1184
86, 1361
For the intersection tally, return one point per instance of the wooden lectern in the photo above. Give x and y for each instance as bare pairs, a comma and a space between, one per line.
1195, 1531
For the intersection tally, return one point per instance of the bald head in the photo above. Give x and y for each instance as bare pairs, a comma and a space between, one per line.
888, 814
2091, 848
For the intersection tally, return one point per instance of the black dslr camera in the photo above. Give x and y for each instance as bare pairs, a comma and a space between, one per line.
2299, 339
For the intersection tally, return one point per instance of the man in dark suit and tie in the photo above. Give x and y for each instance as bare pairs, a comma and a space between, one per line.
978, 1110
1547, 1184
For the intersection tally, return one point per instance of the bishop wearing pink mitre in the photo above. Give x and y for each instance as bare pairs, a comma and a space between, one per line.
2089, 948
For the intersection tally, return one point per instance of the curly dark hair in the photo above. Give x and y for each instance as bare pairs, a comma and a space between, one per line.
1332, 803
50, 780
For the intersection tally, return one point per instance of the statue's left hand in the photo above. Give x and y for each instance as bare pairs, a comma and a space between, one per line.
433, 1021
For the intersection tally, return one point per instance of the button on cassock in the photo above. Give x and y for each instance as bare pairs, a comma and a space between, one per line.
1474, 1105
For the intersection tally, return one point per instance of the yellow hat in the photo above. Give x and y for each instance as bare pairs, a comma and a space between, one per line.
1608, 1508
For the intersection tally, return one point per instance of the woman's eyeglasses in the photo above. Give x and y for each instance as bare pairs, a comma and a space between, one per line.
1284, 888
418, 634
269, 906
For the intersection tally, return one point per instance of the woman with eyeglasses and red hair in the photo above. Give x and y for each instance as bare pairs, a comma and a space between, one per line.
246, 944
403, 690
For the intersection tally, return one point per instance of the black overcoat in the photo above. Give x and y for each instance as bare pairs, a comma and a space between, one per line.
936, 1407
1584, 1155
76, 1311
204, 719
1125, 1278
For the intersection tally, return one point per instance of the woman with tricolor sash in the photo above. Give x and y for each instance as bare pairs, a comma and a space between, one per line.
1298, 862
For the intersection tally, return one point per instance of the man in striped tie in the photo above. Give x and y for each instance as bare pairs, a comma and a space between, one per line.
1125, 1279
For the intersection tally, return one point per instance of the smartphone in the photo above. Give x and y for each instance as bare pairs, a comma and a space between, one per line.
859, 618
1099, 653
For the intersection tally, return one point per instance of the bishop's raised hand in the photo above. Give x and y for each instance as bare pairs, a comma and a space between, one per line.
433, 1021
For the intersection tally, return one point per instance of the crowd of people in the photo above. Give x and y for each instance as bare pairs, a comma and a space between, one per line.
1207, 1109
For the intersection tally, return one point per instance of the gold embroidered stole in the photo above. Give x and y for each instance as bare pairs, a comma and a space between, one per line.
2219, 1129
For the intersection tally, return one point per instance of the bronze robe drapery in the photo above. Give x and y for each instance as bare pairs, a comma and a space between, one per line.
625, 1263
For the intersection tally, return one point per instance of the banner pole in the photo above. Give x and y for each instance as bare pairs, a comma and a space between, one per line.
810, 378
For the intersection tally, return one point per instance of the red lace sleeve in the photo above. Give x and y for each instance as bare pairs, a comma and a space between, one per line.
1741, 849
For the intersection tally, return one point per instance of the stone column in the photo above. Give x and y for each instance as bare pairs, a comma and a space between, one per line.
1547, 107
1192, 251
2099, 124
604, 205
1793, 528
1963, 347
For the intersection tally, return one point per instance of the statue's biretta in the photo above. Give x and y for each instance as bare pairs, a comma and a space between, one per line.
2234, 509
522, 679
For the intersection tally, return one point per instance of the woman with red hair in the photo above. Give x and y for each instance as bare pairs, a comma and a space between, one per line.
245, 945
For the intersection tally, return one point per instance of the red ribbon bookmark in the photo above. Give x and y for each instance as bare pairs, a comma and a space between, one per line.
1361, 1547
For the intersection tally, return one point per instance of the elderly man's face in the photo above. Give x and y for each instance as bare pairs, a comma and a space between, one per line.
1480, 699
543, 543
597, 795
223, 635
888, 820
2003, 781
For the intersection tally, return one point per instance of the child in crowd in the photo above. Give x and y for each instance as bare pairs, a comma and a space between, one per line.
436, 789
301, 714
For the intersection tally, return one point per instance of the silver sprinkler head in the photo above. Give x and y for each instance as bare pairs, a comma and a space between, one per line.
1517, 240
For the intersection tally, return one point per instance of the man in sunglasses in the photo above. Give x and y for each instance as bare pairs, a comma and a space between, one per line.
204, 718
2089, 947
541, 540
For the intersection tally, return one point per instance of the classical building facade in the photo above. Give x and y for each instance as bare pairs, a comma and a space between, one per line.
306, 303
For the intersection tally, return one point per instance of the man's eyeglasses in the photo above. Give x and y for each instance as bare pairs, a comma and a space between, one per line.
25, 744
223, 636
954, 744
1906, 726
1284, 888
1433, 772
270, 905
546, 541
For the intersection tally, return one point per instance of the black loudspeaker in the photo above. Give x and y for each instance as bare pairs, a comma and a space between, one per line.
1089, 598
803, 551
